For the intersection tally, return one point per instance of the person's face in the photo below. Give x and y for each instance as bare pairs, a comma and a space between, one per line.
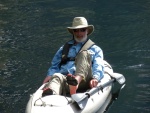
80, 34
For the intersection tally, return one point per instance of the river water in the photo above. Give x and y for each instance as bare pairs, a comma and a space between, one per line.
32, 30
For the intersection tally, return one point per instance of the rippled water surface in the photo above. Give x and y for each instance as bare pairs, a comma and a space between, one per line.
32, 30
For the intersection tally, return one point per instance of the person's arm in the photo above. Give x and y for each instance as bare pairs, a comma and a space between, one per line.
97, 67
46, 79
55, 65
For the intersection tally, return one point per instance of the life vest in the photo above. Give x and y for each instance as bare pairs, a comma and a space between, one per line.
66, 48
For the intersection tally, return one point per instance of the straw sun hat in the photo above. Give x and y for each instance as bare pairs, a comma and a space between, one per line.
80, 22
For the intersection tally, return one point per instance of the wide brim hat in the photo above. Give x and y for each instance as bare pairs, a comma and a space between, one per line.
80, 22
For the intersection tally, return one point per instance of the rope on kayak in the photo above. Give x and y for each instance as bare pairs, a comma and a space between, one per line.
43, 103
69, 101
107, 65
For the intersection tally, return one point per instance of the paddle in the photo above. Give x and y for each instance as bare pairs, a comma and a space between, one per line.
84, 97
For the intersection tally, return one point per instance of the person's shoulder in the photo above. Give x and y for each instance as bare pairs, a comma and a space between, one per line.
68, 42
95, 47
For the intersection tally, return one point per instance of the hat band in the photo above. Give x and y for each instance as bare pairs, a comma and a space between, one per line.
77, 27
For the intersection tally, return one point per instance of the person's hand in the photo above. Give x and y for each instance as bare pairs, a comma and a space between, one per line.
93, 83
46, 79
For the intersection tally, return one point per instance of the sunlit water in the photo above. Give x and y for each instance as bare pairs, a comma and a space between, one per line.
32, 31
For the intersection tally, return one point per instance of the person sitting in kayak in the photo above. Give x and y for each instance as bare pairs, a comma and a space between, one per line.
77, 65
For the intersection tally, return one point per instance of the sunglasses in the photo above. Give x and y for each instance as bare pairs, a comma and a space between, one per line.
81, 30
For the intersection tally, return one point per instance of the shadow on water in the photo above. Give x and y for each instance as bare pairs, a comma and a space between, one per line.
116, 90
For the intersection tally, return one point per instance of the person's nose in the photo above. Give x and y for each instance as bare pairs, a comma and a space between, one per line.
78, 32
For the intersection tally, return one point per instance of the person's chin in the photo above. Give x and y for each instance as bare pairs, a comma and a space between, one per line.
80, 39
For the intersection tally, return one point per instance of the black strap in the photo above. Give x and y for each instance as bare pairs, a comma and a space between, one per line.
65, 51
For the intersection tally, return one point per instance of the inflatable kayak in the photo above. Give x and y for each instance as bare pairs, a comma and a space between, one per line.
91, 101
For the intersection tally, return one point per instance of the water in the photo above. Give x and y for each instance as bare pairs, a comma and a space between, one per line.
32, 30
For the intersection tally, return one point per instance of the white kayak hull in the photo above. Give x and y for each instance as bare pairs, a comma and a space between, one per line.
57, 103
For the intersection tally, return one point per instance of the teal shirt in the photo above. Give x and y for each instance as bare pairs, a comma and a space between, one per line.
96, 55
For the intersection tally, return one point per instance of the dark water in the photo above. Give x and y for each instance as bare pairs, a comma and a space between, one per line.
32, 30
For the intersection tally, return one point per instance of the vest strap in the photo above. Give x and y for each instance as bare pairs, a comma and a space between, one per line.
89, 43
66, 48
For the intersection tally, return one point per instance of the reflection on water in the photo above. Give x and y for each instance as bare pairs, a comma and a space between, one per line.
32, 31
